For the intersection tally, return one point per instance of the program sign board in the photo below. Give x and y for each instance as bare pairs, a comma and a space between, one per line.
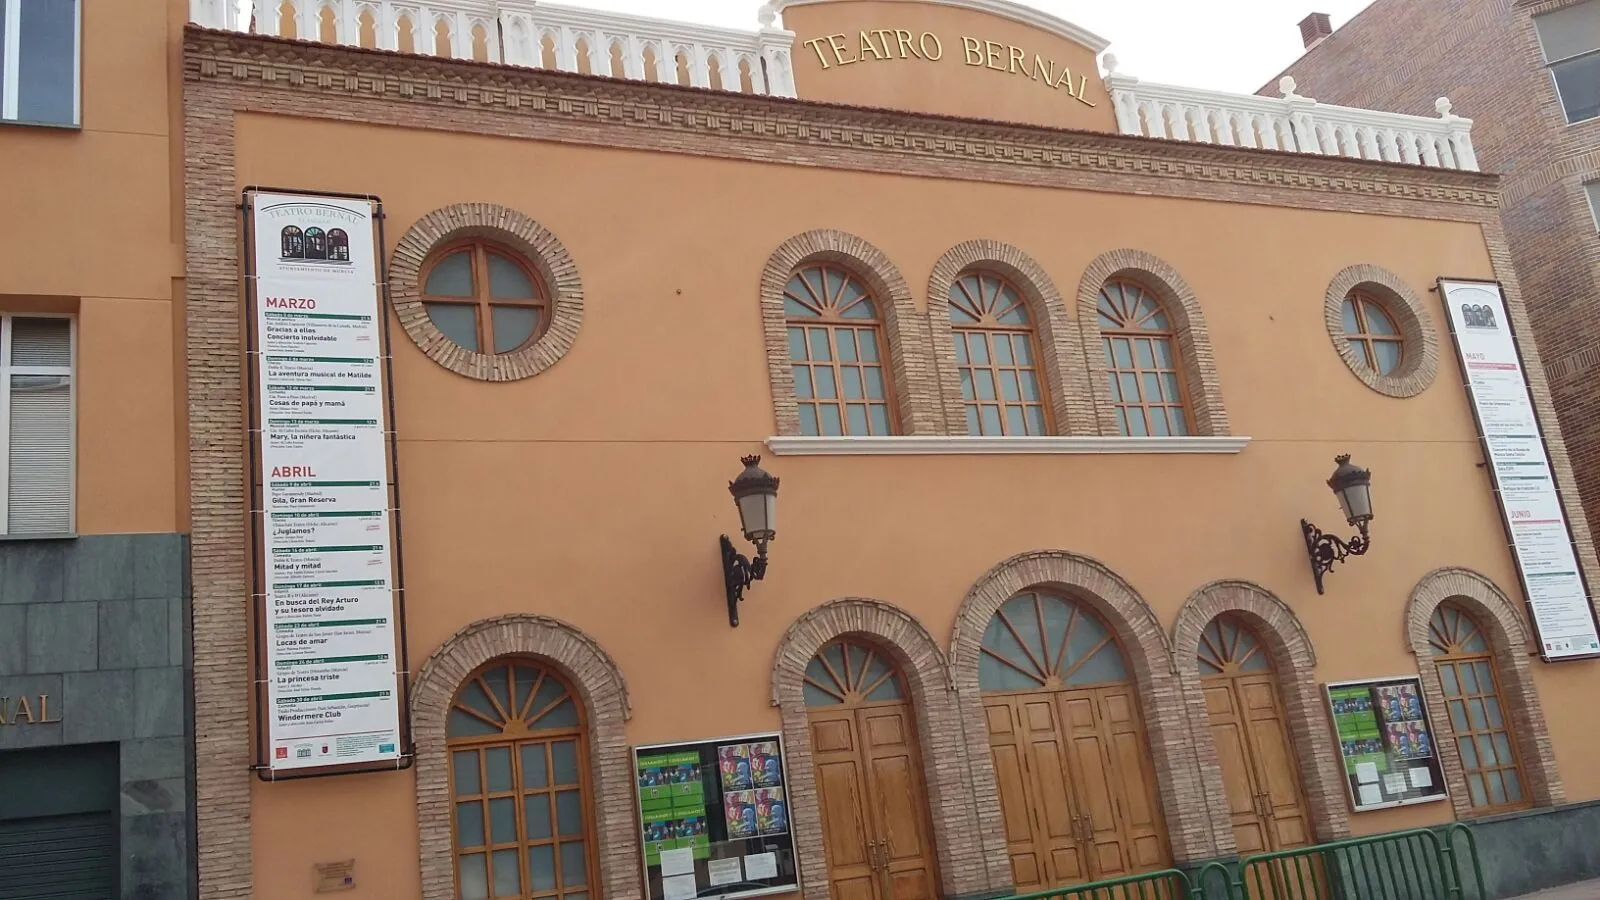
1541, 538
1386, 748
326, 584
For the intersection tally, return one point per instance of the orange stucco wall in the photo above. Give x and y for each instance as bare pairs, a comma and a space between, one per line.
89, 229
930, 58
595, 491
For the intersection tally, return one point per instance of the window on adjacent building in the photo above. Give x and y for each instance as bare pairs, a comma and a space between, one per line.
1141, 361
836, 350
1593, 188
1570, 38
36, 421
484, 298
1372, 333
1479, 719
995, 352
39, 41
519, 775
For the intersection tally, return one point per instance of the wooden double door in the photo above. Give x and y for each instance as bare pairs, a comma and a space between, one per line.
1077, 789
1259, 773
874, 811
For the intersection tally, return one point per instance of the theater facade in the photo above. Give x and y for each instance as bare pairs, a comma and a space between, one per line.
1127, 476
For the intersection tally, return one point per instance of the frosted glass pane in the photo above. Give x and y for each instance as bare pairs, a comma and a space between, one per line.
466, 770
1105, 665
565, 757
457, 321
994, 675
469, 824
817, 697
513, 326
497, 768
845, 338
474, 877
1002, 350
452, 276
507, 280
856, 414
569, 813
574, 869
542, 867
464, 725
536, 813
565, 715
507, 878
1388, 354
502, 820
1351, 324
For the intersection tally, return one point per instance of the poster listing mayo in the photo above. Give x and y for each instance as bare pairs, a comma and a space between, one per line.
330, 651
1516, 450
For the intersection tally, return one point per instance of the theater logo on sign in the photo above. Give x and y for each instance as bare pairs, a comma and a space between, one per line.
312, 234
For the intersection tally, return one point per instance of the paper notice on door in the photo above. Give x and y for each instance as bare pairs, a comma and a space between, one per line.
726, 871
1367, 773
1420, 777
1394, 783
680, 887
677, 862
1371, 795
759, 865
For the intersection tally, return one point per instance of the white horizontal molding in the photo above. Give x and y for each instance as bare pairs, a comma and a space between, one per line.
965, 445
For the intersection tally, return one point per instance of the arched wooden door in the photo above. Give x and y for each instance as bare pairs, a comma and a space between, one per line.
1251, 734
874, 806
1077, 790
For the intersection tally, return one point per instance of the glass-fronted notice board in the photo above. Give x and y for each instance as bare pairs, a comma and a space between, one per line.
1388, 750
715, 818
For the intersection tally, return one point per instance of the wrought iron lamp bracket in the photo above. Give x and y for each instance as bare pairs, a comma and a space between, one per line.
739, 572
1326, 549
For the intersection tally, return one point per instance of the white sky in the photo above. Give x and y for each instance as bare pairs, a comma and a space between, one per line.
1230, 45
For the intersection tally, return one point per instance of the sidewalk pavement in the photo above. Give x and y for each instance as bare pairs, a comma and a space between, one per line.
1583, 890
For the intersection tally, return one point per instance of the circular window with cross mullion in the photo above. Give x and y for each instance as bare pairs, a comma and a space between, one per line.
483, 298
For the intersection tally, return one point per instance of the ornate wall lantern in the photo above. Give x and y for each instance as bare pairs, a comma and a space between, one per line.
1353, 486
756, 494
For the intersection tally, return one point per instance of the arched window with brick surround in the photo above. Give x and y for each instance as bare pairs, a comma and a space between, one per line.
1475, 705
997, 357
1142, 366
837, 353
523, 819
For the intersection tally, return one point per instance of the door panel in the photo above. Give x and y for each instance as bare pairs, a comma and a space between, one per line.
1094, 784
1260, 777
1233, 754
1133, 771
841, 796
899, 801
1275, 761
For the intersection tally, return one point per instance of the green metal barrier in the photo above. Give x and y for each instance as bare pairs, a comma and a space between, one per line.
1421, 864
1167, 884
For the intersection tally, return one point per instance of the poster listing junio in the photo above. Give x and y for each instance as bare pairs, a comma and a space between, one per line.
326, 572
1525, 485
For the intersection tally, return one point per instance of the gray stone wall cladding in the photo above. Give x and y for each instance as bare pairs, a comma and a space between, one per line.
100, 623
1544, 848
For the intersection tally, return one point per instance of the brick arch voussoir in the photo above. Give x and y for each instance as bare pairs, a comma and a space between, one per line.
1182, 305
1145, 646
922, 662
913, 383
1509, 642
604, 691
1294, 659
1060, 345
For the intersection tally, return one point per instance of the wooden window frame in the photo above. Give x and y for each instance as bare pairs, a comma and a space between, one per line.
1209, 653
483, 300
1447, 652
832, 323
1055, 679
1121, 408
856, 691
989, 328
514, 738
1364, 338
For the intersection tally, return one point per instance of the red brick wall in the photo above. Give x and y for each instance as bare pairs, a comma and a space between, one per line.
1402, 55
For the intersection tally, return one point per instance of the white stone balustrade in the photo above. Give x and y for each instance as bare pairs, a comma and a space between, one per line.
537, 35
1292, 123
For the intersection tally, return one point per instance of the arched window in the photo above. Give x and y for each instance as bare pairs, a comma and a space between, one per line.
996, 353
1372, 333
1476, 709
523, 824
1035, 640
1142, 361
484, 298
1229, 648
836, 349
850, 672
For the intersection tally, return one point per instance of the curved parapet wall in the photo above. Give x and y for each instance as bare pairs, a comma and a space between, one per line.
985, 59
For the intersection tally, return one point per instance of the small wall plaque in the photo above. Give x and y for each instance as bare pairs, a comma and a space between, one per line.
336, 876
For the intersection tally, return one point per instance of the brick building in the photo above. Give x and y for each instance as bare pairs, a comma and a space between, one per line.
1528, 73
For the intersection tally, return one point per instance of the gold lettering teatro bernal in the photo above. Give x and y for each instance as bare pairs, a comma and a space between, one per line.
884, 44
24, 711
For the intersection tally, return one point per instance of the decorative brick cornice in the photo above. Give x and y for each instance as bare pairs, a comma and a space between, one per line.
604, 692
626, 113
1419, 361
1294, 661
517, 232
1203, 386
913, 383
1502, 624
1057, 341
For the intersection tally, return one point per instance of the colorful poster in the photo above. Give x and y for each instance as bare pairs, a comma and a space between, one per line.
739, 812
1541, 539
766, 768
1385, 743
772, 814
734, 762
330, 648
